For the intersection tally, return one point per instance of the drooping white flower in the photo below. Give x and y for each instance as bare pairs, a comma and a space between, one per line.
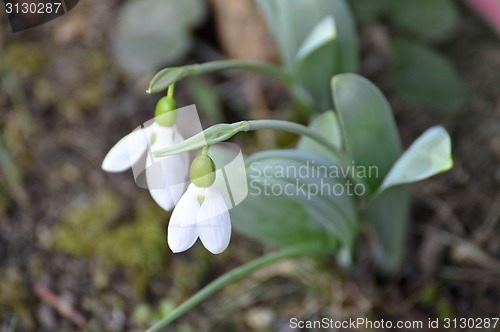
164, 175
208, 220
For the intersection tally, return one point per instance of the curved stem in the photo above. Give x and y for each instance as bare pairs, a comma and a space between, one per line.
168, 76
296, 92
224, 131
231, 277
261, 67
299, 130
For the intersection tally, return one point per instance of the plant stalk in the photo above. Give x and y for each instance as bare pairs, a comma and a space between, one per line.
231, 277
301, 130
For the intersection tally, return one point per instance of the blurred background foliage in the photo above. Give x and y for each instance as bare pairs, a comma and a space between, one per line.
73, 236
418, 72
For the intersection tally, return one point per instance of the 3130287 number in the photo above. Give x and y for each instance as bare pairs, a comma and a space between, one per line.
33, 8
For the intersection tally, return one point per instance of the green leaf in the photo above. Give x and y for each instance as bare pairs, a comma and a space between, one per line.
277, 221
292, 21
431, 20
388, 213
285, 204
388, 216
153, 32
368, 126
421, 75
320, 47
323, 33
430, 154
328, 126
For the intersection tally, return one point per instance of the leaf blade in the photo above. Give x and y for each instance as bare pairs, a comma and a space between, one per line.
430, 154
332, 215
328, 126
368, 126
422, 76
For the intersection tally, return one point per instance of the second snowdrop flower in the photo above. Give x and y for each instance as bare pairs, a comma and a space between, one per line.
201, 211
164, 175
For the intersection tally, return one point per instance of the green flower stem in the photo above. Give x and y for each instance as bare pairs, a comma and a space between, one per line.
168, 76
301, 130
224, 131
260, 67
297, 93
233, 276
170, 90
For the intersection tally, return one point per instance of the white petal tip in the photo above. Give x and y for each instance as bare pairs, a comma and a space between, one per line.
177, 251
215, 233
181, 242
217, 251
107, 167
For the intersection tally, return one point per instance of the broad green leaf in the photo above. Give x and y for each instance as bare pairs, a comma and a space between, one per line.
153, 32
369, 131
323, 33
311, 171
297, 177
388, 216
430, 154
314, 79
421, 75
347, 39
431, 20
328, 126
291, 21
320, 47
276, 220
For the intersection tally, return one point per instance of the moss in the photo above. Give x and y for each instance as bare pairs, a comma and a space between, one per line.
137, 244
430, 298
24, 57
14, 296
92, 92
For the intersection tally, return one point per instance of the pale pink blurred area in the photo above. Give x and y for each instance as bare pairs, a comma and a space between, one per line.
489, 10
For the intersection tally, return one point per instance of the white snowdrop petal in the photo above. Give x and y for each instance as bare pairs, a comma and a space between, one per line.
166, 175
165, 179
214, 224
164, 137
126, 151
178, 138
180, 169
182, 229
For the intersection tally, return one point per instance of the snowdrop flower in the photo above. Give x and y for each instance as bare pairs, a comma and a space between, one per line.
201, 212
163, 175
